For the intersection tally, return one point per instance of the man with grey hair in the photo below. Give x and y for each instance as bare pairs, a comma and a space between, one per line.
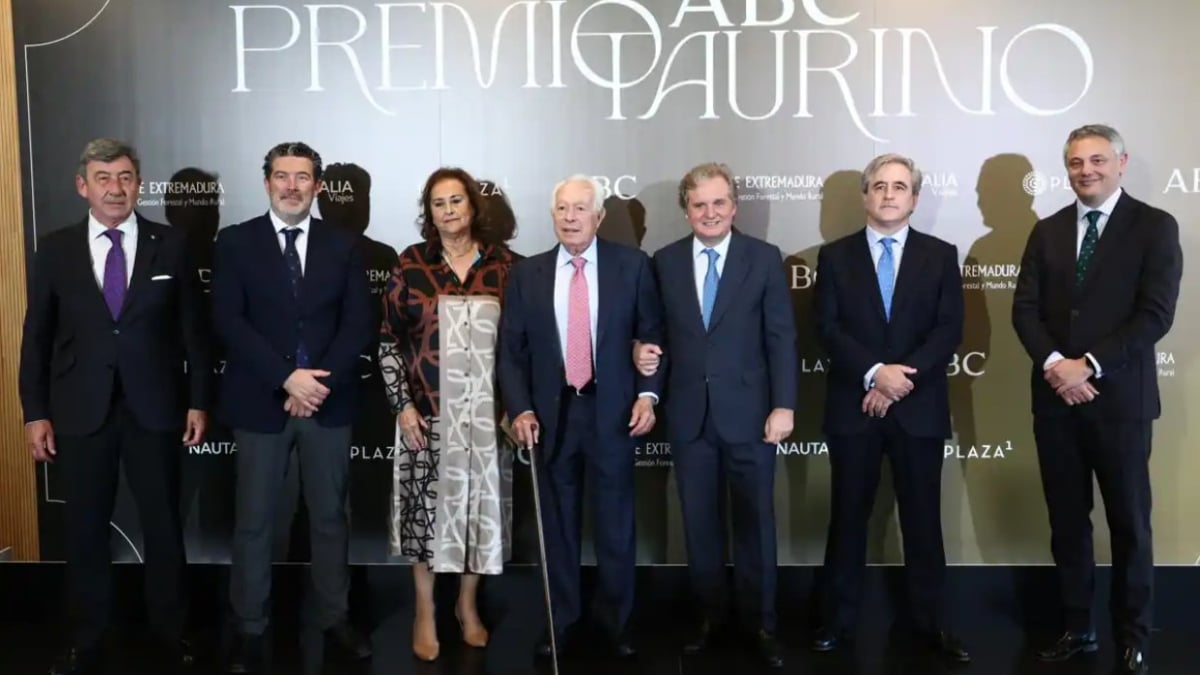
889, 311
567, 312
115, 370
1098, 287
731, 343
293, 309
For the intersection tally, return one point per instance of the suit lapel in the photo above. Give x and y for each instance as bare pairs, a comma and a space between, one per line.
864, 266
608, 276
544, 289
147, 248
687, 272
912, 264
79, 254
268, 241
1114, 229
730, 285
314, 262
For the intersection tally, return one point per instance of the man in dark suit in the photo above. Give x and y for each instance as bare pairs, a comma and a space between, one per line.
115, 310
1097, 289
731, 397
292, 306
889, 310
569, 387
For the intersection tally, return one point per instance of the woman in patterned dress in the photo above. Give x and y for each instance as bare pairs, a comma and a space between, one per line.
452, 473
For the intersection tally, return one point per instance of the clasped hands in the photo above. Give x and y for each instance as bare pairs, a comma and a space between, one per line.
305, 392
1070, 380
891, 384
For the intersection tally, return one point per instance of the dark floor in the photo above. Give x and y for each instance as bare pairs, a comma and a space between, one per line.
513, 610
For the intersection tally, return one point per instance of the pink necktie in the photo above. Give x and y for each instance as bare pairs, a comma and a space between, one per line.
579, 329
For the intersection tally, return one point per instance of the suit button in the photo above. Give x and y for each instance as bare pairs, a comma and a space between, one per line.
287, 357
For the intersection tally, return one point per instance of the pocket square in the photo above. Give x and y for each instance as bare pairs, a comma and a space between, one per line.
161, 277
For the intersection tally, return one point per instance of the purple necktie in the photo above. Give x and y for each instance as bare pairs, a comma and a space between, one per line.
114, 274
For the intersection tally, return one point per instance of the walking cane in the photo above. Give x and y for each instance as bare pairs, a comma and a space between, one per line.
537, 511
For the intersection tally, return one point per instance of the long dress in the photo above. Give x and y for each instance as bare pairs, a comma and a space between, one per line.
451, 500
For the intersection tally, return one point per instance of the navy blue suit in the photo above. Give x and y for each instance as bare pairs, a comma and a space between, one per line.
722, 383
261, 323
579, 432
925, 328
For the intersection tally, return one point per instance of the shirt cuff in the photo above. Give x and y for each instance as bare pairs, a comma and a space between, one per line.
651, 395
1095, 365
1054, 358
867, 379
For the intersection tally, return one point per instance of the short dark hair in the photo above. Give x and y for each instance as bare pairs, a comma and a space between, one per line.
484, 229
107, 150
292, 149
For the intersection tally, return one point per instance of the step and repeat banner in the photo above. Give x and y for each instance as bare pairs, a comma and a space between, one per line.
796, 95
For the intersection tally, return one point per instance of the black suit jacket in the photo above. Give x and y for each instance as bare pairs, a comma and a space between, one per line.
260, 321
531, 372
744, 365
1125, 305
72, 349
926, 328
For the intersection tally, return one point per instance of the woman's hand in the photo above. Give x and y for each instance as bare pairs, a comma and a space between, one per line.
412, 427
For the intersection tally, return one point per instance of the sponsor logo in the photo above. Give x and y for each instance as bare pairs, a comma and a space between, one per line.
621, 187
213, 448
978, 451
803, 277
1037, 183
970, 364
1183, 180
339, 191
653, 455
780, 187
181, 194
996, 277
939, 184
1166, 364
804, 448
814, 365
373, 452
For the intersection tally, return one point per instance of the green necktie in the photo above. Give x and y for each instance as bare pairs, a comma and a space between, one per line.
1088, 248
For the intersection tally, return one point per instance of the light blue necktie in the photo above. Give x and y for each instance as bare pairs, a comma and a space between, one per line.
886, 272
711, 279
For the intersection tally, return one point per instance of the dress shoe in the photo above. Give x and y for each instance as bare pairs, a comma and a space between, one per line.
701, 638
177, 653
828, 640
76, 661
946, 646
1133, 662
246, 655
543, 649
622, 646
768, 649
474, 634
1069, 644
346, 640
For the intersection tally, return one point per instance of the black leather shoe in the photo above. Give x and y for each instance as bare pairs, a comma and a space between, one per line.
348, 642
1133, 662
542, 648
1069, 644
76, 661
768, 649
622, 646
828, 640
246, 655
946, 646
701, 638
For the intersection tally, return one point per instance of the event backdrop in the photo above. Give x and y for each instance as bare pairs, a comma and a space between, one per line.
796, 95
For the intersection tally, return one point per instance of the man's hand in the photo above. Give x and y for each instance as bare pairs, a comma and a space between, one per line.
892, 380
646, 357
194, 427
297, 408
526, 429
642, 420
875, 403
39, 436
1084, 393
412, 427
303, 385
778, 426
1068, 374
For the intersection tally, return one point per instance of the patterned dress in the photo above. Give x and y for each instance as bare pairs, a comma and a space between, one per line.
452, 500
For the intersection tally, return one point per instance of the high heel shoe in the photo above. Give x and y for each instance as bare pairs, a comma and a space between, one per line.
425, 643
475, 635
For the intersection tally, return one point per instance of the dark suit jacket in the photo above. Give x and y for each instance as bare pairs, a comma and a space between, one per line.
925, 329
261, 322
72, 348
531, 372
1126, 304
744, 365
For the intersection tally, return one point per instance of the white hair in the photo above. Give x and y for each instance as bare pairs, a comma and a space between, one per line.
597, 191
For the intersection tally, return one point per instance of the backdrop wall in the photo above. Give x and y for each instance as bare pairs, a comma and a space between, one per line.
796, 96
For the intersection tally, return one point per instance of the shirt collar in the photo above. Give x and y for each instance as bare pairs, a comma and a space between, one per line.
721, 247
280, 226
96, 229
1106, 208
898, 239
589, 254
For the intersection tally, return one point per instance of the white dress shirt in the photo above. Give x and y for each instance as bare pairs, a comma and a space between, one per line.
1081, 226
301, 239
99, 244
875, 244
700, 262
